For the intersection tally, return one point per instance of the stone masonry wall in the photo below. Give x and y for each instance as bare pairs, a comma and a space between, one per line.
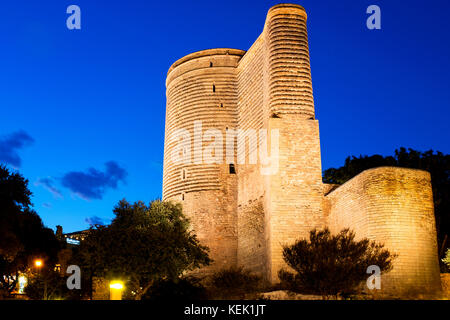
202, 89
393, 206
296, 190
252, 115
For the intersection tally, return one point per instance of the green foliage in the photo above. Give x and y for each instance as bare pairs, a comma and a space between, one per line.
331, 265
234, 282
177, 289
47, 285
446, 260
437, 164
142, 245
23, 236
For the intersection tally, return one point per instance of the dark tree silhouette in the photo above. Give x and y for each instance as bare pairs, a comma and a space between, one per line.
23, 236
331, 265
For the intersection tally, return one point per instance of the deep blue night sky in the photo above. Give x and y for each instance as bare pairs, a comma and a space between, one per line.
82, 111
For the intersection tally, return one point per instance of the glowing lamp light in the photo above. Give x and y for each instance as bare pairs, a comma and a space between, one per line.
115, 290
22, 284
38, 263
117, 285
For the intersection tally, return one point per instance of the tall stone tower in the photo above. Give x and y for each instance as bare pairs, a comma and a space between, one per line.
202, 95
227, 108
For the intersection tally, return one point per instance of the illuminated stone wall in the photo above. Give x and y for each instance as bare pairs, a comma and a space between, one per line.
203, 87
393, 206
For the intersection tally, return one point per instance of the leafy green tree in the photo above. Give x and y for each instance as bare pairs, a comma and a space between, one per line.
47, 285
331, 265
437, 163
23, 236
446, 260
142, 245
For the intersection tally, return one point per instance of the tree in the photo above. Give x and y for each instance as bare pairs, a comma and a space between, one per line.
446, 260
142, 245
23, 236
47, 285
438, 164
331, 265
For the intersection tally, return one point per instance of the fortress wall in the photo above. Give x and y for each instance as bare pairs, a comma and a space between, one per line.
344, 207
393, 206
251, 84
197, 91
252, 107
296, 190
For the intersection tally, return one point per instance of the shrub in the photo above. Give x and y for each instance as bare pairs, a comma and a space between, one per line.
180, 289
446, 260
329, 265
49, 285
234, 283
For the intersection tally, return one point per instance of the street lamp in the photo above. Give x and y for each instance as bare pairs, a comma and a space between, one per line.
38, 263
115, 290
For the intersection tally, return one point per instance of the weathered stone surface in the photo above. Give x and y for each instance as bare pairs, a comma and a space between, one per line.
445, 279
393, 206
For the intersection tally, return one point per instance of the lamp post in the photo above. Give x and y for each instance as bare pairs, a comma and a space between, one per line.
38, 263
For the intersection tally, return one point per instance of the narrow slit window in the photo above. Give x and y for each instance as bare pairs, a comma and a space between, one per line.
221, 105
214, 88
182, 196
183, 174
232, 168
210, 64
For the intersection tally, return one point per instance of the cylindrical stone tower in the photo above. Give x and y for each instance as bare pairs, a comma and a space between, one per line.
294, 207
289, 68
201, 103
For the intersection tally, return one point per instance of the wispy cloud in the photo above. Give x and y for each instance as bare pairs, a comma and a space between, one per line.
94, 220
11, 144
93, 183
48, 183
47, 205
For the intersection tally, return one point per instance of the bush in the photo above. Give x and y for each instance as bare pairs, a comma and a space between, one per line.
180, 289
329, 265
234, 283
48, 285
446, 260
